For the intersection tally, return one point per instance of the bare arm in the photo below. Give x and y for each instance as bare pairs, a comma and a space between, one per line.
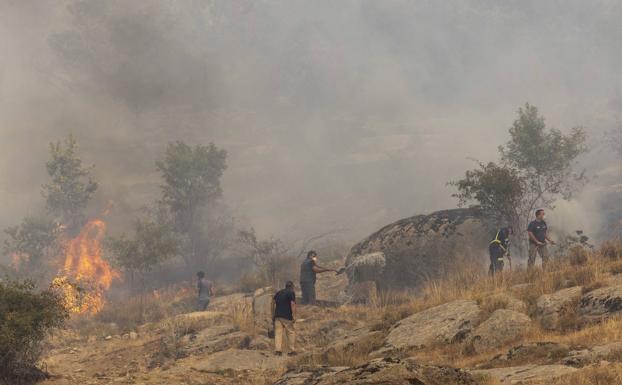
293, 311
320, 269
273, 307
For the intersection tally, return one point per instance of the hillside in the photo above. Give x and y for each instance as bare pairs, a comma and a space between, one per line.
559, 326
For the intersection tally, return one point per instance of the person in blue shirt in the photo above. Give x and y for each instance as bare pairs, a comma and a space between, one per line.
538, 238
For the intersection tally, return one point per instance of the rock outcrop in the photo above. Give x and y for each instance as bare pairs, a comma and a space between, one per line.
419, 248
601, 303
380, 371
553, 306
502, 327
447, 323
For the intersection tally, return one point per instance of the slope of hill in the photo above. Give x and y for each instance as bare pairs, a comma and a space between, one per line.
562, 325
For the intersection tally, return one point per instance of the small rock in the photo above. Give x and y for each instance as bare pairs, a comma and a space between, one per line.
133, 335
107, 338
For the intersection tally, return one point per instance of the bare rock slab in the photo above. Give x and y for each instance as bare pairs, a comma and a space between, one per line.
594, 354
526, 373
380, 371
551, 306
237, 360
503, 326
447, 323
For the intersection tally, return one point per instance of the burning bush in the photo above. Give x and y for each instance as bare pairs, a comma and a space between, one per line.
26, 316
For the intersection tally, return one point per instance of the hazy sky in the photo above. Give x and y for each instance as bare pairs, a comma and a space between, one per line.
335, 114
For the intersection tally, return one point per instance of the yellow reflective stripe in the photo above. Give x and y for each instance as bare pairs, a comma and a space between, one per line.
496, 240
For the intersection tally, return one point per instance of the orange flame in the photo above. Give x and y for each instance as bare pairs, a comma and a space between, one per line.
92, 275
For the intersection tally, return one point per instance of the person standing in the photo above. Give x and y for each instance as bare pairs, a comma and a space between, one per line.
206, 290
498, 248
308, 271
538, 238
284, 317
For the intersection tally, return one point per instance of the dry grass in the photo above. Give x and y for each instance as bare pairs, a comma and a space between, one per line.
611, 249
146, 308
603, 375
591, 274
242, 317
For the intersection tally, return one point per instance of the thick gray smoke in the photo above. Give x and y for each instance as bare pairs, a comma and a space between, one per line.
335, 114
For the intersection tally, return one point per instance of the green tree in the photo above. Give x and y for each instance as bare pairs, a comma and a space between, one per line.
545, 157
152, 244
498, 191
191, 186
535, 170
31, 243
71, 186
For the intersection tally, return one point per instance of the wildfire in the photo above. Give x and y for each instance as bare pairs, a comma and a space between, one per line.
86, 276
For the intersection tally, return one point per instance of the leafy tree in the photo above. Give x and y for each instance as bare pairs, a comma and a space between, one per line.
71, 186
191, 186
544, 156
498, 190
26, 317
31, 242
535, 170
152, 244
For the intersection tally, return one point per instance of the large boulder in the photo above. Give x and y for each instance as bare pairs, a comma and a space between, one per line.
500, 328
447, 323
601, 303
379, 371
419, 248
551, 307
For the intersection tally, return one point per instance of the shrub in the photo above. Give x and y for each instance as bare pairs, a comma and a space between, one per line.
26, 317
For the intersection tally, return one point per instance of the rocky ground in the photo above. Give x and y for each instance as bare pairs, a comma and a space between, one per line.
557, 327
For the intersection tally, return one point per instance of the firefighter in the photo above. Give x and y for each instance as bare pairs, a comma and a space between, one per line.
499, 248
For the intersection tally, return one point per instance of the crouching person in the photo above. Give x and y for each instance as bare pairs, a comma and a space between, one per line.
284, 316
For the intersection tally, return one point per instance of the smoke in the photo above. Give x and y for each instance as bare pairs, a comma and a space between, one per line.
346, 114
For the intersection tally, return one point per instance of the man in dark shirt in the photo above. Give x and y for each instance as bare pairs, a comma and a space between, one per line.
284, 317
538, 237
498, 248
308, 271
206, 290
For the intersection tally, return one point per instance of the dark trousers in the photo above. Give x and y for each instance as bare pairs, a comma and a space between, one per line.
496, 259
308, 293
203, 303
